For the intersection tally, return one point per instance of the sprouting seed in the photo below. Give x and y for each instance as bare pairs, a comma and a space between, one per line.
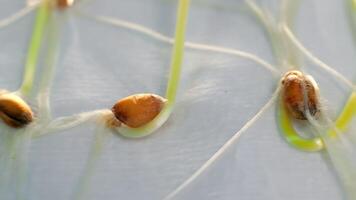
14, 111
137, 110
300, 95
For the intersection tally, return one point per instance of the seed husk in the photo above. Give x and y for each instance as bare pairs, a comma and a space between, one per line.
62, 4
14, 111
137, 110
300, 94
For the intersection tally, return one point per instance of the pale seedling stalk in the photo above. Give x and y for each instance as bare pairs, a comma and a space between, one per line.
35, 47
289, 61
290, 42
315, 144
14, 152
341, 150
173, 81
172, 87
64, 123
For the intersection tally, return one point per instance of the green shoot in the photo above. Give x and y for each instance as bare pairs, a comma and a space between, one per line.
35, 47
178, 50
173, 81
292, 137
341, 123
287, 55
348, 112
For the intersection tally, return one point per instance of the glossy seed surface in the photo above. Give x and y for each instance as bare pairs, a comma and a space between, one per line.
300, 94
62, 4
14, 111
137, 110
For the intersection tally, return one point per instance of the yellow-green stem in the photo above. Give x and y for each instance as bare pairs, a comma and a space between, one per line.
34, 47
291, 135
348, 112
178, 51
316, 144
173, 81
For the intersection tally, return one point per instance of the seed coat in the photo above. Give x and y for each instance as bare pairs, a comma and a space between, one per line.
137, 110
62, 4
300, 94
14, 111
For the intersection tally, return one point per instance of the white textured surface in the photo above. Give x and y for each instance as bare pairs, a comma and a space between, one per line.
219, 93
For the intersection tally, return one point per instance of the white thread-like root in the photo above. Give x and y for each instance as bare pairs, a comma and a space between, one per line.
18, 15
314, 59
64, 123
13, 163
230, 51
192, 45
101, 134
223, 149
284, 52
341, 150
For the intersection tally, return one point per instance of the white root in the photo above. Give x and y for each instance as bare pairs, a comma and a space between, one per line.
192, 45
314, 59
341, 151
18, 15
101, 136
224, 148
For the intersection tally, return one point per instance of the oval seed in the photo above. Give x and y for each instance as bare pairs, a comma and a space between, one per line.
62, 4
14, 111
137, 110
300, 94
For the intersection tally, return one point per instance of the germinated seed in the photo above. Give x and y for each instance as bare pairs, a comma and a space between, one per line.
137, 110
14, 111
62, 4
300, 94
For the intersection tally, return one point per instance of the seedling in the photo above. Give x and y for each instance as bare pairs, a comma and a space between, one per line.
17, 113
300, 95
299, 100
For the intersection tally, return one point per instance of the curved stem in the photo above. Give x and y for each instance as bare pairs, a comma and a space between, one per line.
173, 81
316, 144
291, 135
42, 16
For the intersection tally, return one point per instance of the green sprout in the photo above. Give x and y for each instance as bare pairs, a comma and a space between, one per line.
173, 81
341, 123
291, 135
41, 20
14, 154
285, 46
150, 127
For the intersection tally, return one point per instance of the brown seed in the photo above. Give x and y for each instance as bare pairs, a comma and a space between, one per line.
62, 4
300, 94
14, 111
137, 110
